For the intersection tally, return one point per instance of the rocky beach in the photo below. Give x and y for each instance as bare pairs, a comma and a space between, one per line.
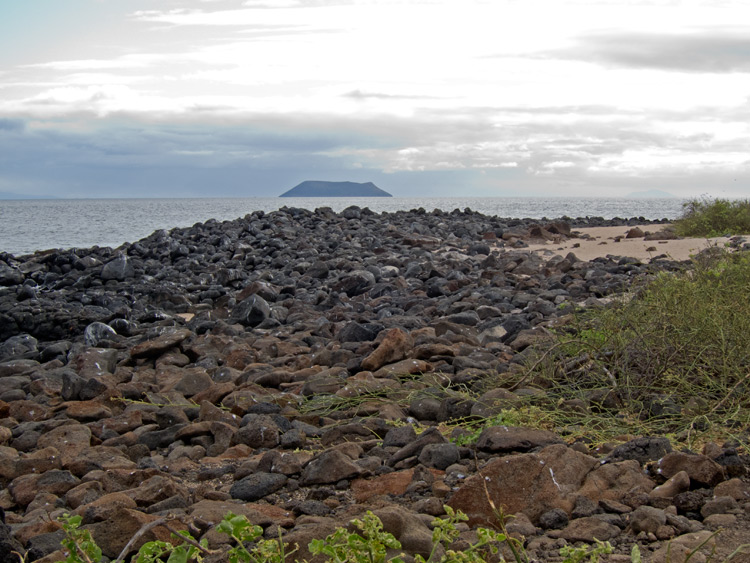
302, 367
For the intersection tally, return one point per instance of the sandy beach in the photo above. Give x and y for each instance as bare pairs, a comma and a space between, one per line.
598, 242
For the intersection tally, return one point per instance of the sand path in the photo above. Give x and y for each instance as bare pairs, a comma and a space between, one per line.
601, 242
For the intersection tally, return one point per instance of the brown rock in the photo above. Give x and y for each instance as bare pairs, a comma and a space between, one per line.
395, 346
192, 382
69, 440
528, 483
99, 458
635, 232
310, 528
113, 534
8, 458
681, 548
93, 362
702, 470
588, 529
28, 411
330, 467
395, 483
170, 338
23, 488
719, 505
259, 432
24, 533
407, 528
87, 410
616, 481
678, 483
104, 507
155, 489
404, 367
84, 493
735, 488
501, 439
38, 461
647, 519
211, 512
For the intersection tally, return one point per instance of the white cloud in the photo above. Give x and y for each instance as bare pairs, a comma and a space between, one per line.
556, 90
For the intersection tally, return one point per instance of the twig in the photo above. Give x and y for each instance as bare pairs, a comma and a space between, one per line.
732, 390
151, 525
533, 367
145, 528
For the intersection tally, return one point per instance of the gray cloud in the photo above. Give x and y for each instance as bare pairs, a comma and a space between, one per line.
716, 51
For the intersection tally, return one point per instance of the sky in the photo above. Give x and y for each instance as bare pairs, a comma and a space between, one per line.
178, 98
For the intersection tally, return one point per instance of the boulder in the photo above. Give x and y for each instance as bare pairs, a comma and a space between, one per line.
532, 483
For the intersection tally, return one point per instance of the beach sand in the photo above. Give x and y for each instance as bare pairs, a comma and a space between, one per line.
600, 242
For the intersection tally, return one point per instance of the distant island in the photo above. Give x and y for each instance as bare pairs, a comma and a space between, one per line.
316, 188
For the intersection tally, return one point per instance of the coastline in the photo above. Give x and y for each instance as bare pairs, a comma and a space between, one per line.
301, 367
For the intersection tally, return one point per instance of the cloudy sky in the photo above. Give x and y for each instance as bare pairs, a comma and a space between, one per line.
117, 98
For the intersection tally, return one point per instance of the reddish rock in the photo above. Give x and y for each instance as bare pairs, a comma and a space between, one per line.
87, 410
211, 512
69, 440
104, 507
45, 526
113, 534
98, 458
155, 489
395, 483
84, 493
28, 411
395, 346
38, 461
23, 488
170, 338
528, 483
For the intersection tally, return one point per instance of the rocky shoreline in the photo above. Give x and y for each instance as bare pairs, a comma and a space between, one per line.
301, 367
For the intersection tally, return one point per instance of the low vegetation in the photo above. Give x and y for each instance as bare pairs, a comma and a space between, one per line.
368, 543
672, 358
714, 217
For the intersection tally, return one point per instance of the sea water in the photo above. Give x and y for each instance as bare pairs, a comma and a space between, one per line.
30, 225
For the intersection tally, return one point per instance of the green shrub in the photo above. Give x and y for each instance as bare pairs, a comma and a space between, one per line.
714, 217
674, 358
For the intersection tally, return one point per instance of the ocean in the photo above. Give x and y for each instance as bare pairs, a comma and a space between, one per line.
30, 225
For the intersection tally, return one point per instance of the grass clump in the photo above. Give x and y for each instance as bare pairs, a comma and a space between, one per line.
672, 359
714, 217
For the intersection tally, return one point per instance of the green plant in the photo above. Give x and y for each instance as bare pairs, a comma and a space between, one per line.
157, 551
350, 547
707, 217
589, 553
524, 415
79, 545
673, 358
243, 532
